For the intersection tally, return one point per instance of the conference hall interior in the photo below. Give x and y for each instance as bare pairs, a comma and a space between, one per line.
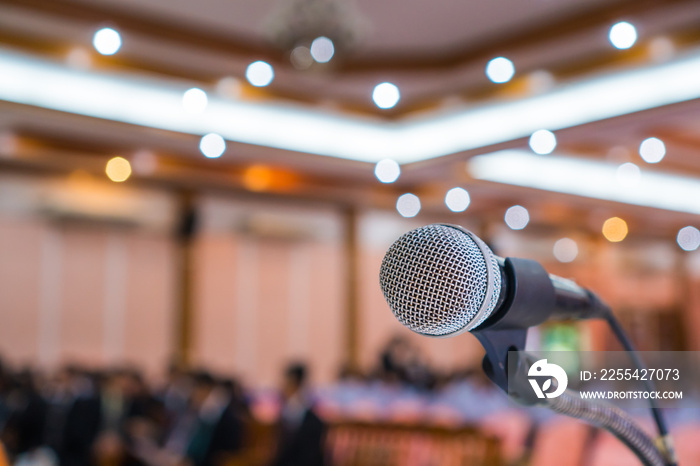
196, 199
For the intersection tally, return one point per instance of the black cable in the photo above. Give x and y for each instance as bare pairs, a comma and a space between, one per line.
648, 383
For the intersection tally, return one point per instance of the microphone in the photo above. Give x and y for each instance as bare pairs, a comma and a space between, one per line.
442, 280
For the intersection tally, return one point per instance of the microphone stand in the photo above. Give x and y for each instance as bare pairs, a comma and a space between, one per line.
500, 346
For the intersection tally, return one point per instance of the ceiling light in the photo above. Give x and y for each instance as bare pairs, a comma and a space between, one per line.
212, 145
588, 178
517, 217
457, 199
386, 95
615, 229
500, 70
387, 171
652, 150
259, 74
628, 175
408, 205
623, 35
565, 250
139, 101
118, 169
322, 49
688, 238
194, 100
107, 41
543, 142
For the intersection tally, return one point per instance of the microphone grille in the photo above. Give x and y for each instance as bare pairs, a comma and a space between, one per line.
440, 280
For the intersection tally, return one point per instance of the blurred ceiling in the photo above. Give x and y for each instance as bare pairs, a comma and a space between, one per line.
435, 52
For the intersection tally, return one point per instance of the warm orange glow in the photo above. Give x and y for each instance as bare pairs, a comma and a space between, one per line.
118, 169
615, 229
258, 178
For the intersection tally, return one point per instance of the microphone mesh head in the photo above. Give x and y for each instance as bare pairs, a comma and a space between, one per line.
440, 280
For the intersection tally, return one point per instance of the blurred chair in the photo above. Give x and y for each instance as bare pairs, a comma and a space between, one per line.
259, 445
365, 444
511, 427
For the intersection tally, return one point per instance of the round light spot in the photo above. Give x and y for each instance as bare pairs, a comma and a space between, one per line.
652, 150
540, 81
387, 171
408, 205
79, 58
661, 49
688, 238
212, 145
623, 35
565, 250
107, 41
144, 162
259, 74
457, 199
229, 86
543, 142
500, 70
301, 58
257, 178
615, 229
628, 175
517, 217
194, 100
322, 49
118, 169
386, 95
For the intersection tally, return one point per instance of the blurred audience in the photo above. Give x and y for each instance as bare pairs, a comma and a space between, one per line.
81, 417
301, 431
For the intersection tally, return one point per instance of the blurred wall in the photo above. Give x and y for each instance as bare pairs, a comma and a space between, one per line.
98, 285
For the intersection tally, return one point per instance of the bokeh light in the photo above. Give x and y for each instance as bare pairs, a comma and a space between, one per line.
387, 171
194, 100
212, 145
301, 58
543, 142
500, 70
322, 49
517, 217
688, 238
144, 162
661, 49
228, 86
408, 205
118, 169
628, 175
258, 178
79, 58
652, 150
615, 229
386, 95
457, 199
565, 250
623, 35
259, 73
107, 41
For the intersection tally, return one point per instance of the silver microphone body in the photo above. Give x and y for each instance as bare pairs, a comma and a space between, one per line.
442, 280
